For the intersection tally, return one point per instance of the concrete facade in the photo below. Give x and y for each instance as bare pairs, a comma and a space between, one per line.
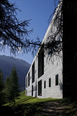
50, 81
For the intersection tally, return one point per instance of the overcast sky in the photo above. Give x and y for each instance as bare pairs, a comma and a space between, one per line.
39, 12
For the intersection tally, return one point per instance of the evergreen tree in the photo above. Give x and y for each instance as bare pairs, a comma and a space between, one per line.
1, 88
8, 88
1, 81
14, 85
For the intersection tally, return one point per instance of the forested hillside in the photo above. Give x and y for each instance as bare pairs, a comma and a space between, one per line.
6, 65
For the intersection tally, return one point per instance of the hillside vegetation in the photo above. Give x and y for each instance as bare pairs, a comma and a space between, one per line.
7, 63
30, 106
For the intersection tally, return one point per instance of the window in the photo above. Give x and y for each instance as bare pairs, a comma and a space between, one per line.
40, 62
33, 72
32, 90
26, 81
40, 88
29, 79
49, 82
56, 79
44, 84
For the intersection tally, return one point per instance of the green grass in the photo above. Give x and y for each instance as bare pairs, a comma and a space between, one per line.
30, 106
23, 99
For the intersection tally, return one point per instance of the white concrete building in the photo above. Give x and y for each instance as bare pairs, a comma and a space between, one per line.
44, 78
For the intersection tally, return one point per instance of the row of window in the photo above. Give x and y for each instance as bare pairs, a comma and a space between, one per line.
50, 83
56, 81
40, 85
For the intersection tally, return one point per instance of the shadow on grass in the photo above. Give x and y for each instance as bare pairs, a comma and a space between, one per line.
21, 108
23, 100
28, 109
48, 108
6, 111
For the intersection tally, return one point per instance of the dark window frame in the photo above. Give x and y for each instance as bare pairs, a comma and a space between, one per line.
41, 62
29, 79
32, 90
44, 84
49, 82
33, 72
57, 80
40, 88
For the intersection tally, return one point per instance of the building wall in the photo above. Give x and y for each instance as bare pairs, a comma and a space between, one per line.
52, 67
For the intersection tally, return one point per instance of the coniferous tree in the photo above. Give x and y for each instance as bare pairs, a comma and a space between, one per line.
8, 88
14, 85
1, 81
1, 88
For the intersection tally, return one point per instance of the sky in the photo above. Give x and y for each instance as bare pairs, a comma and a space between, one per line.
38, 12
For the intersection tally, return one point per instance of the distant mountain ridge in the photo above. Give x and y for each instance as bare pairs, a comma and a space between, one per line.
22, 67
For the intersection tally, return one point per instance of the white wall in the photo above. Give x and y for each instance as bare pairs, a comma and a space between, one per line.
52, 67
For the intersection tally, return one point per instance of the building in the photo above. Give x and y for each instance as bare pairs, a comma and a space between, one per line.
44, 78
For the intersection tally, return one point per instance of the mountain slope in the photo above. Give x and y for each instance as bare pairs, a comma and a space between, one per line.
22, 67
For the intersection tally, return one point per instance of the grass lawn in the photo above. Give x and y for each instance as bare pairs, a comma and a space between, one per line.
30, 106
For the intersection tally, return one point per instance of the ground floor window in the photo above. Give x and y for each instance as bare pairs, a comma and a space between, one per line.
49, 82
44, 84
40, 88
32, 90
56, 79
